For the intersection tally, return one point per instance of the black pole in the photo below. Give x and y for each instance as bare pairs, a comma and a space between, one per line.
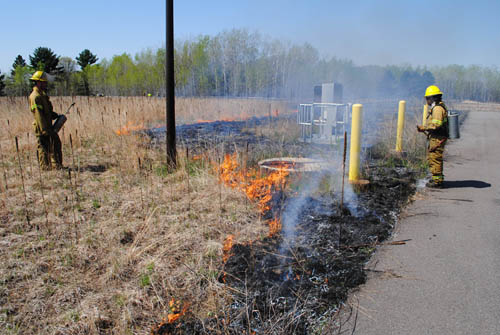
170, 94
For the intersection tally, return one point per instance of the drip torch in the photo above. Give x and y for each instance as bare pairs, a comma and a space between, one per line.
61, 119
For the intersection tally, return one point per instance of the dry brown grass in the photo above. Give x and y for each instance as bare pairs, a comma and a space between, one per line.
413, 141
121, 239
92, 114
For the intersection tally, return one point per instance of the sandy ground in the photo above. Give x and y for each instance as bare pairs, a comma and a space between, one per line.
446, 280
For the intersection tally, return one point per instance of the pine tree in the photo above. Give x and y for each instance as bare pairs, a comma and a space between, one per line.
19, 61
2, 84
86, 58
45, 59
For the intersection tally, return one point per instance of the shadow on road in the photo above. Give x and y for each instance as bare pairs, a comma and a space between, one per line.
466, 184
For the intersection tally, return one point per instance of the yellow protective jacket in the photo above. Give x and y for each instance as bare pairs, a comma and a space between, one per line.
437, 121
42, 110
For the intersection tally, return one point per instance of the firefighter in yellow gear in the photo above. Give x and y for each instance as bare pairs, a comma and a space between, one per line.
49, 144
436, 129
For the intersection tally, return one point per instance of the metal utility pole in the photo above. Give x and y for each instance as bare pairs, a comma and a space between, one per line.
170, 85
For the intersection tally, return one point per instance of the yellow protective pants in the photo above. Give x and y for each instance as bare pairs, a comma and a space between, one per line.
49, 151
435, 159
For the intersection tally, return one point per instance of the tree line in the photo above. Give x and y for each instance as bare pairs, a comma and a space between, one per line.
67, 80
239, 63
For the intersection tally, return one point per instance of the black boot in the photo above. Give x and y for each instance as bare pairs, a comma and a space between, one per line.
433, 184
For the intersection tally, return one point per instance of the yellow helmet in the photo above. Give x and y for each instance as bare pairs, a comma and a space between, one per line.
39, 76
432, 90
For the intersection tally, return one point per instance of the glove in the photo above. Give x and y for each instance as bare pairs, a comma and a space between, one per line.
420, 129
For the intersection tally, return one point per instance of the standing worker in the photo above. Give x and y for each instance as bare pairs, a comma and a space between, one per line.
436, 129
49, 144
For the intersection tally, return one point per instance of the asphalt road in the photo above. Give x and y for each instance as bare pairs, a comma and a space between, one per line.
446, 280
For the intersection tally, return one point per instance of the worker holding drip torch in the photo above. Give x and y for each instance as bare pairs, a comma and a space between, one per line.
436, 129
49, 144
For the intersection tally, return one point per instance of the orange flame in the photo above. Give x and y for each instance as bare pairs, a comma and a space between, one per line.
226, 119
175, 312
274, 226
229, 172
228, 244
257, 187
128, 128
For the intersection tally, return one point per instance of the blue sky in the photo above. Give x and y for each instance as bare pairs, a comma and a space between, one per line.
368, 32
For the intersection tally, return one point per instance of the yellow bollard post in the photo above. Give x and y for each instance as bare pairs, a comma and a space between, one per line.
354, 156
401, 125
426, 112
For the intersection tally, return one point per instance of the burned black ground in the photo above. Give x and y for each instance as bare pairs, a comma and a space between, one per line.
299, 285
246, 137
298, 288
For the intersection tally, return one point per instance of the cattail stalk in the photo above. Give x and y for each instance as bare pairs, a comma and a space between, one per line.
43, 195
22, 180
186, 168
343, 179
74, 165
73, 203
343, 170
220, 186
4, 170
245, 163
8, 129
140, 181
72, 153
29, 155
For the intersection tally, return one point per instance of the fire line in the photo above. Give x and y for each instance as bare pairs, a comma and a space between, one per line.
257, 187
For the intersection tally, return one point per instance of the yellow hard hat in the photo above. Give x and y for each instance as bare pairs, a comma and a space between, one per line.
432, 90
39, 76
